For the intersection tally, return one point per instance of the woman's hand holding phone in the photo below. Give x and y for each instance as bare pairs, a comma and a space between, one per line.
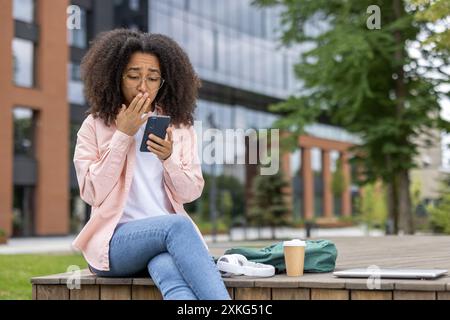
129, 120
161, 147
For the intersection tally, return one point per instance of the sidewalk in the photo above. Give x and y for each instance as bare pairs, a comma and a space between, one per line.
57, 245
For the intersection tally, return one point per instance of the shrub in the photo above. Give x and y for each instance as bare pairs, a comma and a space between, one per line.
440, 214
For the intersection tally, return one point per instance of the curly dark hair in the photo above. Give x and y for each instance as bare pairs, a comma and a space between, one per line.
104, 63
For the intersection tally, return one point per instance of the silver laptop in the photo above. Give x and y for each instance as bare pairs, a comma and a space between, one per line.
390, 273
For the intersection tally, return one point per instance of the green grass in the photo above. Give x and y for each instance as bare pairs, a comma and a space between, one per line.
17, 270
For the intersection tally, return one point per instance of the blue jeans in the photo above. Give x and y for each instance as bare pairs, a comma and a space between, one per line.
169, 249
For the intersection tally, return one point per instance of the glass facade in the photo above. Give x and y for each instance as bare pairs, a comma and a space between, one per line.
236, 45
23, 62
223, 117
75, 85
229, 42
134, 5
23, 10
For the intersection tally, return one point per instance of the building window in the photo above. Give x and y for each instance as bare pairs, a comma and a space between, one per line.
78, 37
133, 5
23, 10
23, 64
23, 211
24, 191
74, 71
75, 85
23, 131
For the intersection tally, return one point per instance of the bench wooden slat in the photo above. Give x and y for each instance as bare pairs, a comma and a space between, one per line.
140, 292
370, 295
252, 293
143, 282
414, 295
329, 294
422, 285
50, 279
443, 295
52, 292
34, 291
239, 282
290, 294
114, 281
321, 281
86, 277
83, 280
278, 281
361, 284
86, 292
231, 292
115, 292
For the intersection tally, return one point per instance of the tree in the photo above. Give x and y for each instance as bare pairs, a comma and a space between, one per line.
369, 82
373, 205
437, 30
338, 182
440, 213
267, 205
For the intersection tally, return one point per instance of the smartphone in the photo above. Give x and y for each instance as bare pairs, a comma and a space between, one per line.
157, 125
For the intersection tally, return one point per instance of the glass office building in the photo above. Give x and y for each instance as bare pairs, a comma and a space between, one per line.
229, 42
234, 46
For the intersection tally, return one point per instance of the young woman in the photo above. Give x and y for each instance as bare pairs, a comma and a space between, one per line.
138, 223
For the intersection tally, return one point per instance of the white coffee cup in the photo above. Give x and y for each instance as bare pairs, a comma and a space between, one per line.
294, 257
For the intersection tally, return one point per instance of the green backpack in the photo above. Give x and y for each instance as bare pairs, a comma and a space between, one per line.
320, 255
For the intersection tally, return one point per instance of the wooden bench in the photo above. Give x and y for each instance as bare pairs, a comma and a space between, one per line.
405, 251
307, 287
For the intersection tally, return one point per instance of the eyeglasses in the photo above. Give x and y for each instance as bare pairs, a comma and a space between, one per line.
133, 81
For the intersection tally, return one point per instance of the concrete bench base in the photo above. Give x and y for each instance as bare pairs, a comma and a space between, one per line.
280, 287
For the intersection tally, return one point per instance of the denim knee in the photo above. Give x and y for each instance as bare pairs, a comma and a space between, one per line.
181, 223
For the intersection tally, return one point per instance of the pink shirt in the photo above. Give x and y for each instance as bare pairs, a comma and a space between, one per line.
104, 159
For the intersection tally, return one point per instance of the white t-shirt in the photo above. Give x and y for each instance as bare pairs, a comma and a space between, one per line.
147, 196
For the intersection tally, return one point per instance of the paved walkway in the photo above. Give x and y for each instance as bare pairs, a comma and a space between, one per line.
38, 245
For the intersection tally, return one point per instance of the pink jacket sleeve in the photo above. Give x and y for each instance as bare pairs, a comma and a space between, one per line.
182, 170
98, 173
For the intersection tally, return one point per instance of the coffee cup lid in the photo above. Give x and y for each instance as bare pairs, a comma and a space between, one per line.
294, 243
